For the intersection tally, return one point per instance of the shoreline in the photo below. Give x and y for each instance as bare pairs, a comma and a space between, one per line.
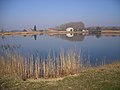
103, 32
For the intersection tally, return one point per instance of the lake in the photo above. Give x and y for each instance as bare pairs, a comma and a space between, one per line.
96, 48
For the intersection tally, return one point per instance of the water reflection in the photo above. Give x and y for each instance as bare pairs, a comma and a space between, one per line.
71, 37
69, 34
98, 35
2, 37
98, 48
35, 37
9, 47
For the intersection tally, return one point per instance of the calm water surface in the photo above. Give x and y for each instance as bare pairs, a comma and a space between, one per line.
94, 48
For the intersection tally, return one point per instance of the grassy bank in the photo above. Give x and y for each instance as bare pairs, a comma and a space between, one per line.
110, 32
100, 78
20, 33
64, 72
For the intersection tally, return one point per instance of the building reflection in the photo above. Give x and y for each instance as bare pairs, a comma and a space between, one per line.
71, 37
69, 34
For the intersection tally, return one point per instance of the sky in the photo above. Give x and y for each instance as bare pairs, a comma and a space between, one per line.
24, 14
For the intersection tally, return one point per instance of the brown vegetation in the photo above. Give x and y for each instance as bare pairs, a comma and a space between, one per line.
14, 64
21, 33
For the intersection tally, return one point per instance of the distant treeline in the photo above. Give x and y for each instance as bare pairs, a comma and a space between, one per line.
80, 26
76, 25
104, 28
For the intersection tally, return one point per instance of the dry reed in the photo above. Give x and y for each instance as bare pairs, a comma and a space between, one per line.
14, 64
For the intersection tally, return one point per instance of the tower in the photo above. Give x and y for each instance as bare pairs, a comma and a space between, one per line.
35, 29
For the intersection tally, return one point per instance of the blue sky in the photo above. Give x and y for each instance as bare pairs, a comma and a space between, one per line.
20, 14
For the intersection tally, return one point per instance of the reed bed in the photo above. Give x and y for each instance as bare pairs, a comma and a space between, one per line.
14, 64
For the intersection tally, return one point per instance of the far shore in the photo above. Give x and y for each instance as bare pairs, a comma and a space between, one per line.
54, 32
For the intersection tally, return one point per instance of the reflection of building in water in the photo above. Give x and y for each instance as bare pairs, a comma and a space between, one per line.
70, 29
76, 37
69, 34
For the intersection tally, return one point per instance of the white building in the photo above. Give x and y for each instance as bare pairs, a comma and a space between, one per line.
83, 30
70, 29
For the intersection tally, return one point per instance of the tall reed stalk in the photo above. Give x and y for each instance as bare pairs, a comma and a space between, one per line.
14, 64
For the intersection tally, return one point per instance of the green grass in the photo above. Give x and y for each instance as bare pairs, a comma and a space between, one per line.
100, 78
